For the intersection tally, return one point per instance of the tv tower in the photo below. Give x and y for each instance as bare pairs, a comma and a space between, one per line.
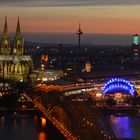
79, 33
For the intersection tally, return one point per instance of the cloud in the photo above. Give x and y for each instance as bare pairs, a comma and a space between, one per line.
45, 3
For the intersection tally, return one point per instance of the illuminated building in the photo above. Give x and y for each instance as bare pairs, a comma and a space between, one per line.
44, 58
48, 75
118, 84
119, 88
14, 65
135, 47
88, 67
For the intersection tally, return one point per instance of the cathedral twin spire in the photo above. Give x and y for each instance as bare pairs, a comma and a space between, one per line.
18, 41
18, 31
5, 32
5, 41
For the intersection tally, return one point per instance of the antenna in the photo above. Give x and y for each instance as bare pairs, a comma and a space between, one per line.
79, 33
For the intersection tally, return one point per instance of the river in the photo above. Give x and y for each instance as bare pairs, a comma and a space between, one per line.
37, 128
126, 127
27, 128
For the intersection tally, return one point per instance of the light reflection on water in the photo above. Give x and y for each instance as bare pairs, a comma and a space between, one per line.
28, 128
42, 136
126, 127
21, 128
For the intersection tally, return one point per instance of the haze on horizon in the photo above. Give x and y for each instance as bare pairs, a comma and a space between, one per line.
62, 16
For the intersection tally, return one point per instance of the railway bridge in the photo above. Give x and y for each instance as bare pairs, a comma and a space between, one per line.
70, 112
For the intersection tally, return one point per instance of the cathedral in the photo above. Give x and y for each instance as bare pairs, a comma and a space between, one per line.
14, 64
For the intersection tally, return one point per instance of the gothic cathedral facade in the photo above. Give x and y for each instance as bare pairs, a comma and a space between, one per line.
14, 64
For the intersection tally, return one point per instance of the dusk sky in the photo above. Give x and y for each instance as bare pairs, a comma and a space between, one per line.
96, 16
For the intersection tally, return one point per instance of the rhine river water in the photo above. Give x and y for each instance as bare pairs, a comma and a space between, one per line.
27, 128
126, 127
33, 128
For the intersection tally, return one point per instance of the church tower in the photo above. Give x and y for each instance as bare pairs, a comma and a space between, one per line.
5, 40
18, 41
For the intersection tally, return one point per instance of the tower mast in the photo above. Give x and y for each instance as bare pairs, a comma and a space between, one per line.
79, 33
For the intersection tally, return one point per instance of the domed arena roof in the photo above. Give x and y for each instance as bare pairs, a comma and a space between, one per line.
119, 85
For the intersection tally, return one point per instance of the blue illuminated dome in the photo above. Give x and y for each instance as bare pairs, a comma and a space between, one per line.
119, 85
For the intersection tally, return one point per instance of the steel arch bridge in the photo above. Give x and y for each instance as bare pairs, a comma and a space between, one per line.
119, 85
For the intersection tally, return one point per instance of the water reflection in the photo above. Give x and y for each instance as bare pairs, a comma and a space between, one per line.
18, 128
125, 127
28, 128
35, 120
43, 122
42, 136
2, 120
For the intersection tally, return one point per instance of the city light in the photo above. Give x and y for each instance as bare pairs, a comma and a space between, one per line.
118, 84
43, 122
54, 84
136, 40
42, 136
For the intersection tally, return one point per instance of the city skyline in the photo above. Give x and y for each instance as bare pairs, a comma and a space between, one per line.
70, 38
69, 69
63, 16
55, 17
